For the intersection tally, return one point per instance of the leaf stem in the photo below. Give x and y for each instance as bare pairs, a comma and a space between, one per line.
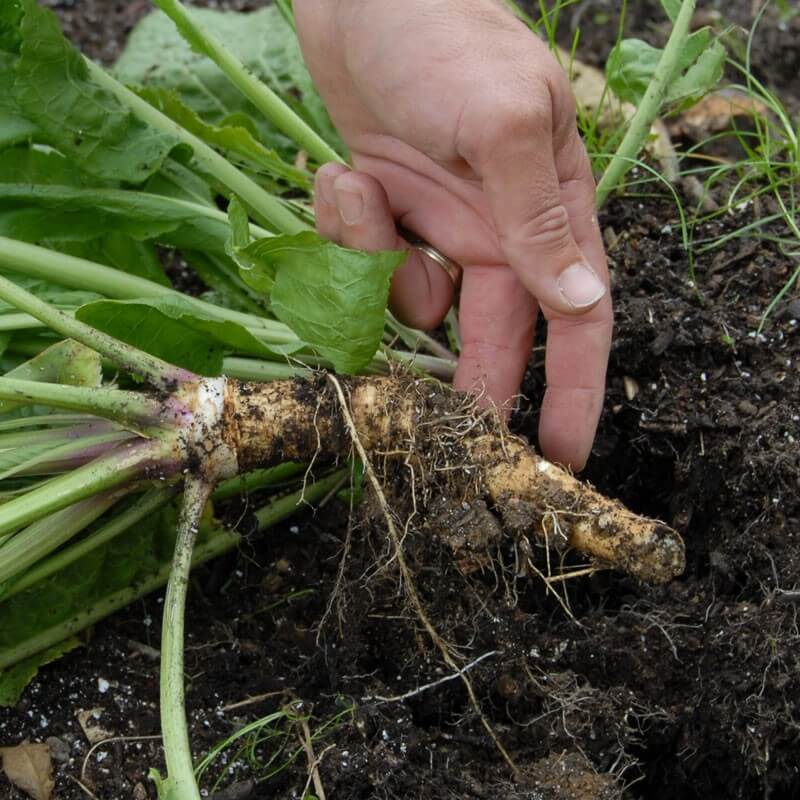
221, 541
267, 207
116, 404
47, 534
258, 93
78, 273
642, 121
177, 749
251, 369
146, 505
108, 472
158, 372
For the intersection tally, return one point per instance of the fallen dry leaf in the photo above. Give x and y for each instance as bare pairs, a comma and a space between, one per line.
716, 112
93, 731
590, 90
29, 768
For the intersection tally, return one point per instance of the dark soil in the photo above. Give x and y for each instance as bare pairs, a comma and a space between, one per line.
616, 689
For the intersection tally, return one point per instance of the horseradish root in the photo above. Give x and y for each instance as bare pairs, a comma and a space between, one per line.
468, 453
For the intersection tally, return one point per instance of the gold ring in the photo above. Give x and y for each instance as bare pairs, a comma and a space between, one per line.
453, 270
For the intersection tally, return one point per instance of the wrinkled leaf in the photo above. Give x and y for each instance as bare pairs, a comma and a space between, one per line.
157, 55
14, 680
13, 125
175, 330
632, 64
29, 768
35, 166
152, 331
55, 91
235, 141
331, 297
30, 210
226, 288
66, 213
177, 180
630, 68
702, 76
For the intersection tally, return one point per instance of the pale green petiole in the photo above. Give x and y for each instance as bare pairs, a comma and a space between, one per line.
122, 522
221, 541
180, 781
108, 472
650, 106
130, 408
45, 535
78, 273
260, 95
272, 210
128, 358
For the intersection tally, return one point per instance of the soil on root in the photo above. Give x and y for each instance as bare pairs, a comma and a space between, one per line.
611, 689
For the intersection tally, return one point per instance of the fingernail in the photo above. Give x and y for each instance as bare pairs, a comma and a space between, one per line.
351, 206
580, 286
325, 188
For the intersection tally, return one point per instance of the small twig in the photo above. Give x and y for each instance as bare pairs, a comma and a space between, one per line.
577, 573
313, 761
405, 573
250, 701
419, 690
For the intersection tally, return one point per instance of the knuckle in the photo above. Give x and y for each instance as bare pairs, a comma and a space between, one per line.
546, 228
491, 120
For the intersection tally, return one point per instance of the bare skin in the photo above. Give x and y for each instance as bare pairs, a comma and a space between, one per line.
461, 127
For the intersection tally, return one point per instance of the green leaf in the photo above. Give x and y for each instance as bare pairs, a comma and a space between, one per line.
226, 288
13, 125
67, 362
235, 141
55, 92
672, 7
14, 680
702, 76
331, 297
66, 213
121, 252
178, 181
175, 330
630, 68
148, 329
40, 167
10, 18
157, 55
98, 573
239, 225
632, 64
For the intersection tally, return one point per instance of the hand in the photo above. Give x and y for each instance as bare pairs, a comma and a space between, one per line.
462, 128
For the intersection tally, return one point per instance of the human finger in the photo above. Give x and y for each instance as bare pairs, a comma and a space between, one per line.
509, 142
577, 347
496, 319
326, 212
421, 291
